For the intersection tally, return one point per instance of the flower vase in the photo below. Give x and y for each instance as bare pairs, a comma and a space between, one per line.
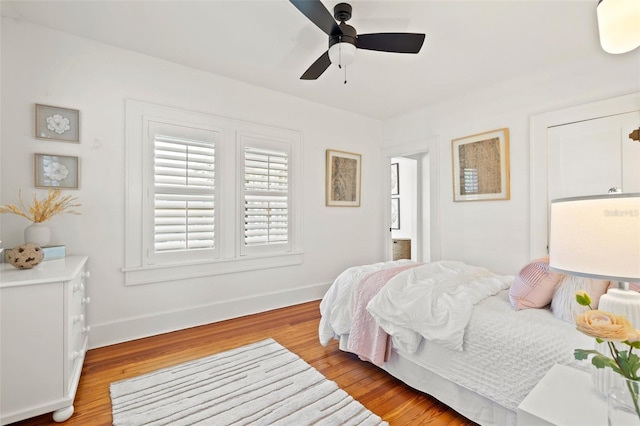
37, 233
624, 404
621, 302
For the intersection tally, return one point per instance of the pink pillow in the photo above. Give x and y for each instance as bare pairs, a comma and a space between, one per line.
533, 287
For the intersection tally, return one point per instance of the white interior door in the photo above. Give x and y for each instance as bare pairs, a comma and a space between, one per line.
590, 157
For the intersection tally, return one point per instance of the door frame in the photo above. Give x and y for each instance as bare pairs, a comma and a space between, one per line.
428, 146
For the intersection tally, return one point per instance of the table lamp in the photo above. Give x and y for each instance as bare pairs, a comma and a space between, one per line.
599, 237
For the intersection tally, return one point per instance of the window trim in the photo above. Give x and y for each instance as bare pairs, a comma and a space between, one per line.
139, 168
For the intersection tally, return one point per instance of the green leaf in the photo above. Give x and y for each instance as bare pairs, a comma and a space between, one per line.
582, 354
601, 361
629, 363
633, 344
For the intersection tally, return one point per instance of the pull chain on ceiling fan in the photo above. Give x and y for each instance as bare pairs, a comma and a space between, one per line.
344, 39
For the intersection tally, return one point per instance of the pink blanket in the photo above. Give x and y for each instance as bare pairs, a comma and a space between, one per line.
367, 339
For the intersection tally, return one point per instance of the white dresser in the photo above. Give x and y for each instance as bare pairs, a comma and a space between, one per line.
43, 338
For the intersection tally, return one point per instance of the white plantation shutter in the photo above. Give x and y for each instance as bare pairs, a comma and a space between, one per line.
184, 192
266, 197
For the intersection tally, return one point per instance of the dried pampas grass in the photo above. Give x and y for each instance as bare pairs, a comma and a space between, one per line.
43, 210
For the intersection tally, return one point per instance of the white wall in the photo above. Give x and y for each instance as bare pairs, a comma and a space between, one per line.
48, 67
495, 234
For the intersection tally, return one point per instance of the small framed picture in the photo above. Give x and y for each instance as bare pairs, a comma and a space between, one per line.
395, 182
395, 213
55, 171
481, 166
343, 179
56, 123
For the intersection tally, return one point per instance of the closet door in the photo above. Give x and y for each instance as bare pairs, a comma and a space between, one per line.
590, 157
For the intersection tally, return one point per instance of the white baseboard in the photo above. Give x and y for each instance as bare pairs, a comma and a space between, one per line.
138, 327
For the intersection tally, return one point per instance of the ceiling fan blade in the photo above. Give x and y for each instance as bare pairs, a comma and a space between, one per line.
319, 15
391, 42
317, 68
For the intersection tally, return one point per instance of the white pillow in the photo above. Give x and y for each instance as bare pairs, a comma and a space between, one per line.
563, 303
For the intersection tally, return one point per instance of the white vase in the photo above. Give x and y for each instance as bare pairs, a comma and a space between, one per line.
38, 234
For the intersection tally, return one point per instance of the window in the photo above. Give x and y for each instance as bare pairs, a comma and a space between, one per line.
266, 196
207, 195
183, 191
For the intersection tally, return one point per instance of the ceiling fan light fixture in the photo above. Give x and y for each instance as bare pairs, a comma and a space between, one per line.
342, 53
619, 25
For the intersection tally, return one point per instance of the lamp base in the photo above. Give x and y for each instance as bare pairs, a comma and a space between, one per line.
619, 302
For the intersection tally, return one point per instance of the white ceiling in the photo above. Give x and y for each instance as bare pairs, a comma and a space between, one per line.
469, 44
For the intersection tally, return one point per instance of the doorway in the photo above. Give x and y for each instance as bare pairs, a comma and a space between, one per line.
410, 207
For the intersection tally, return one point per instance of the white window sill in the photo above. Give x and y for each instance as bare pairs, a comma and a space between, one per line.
161, 273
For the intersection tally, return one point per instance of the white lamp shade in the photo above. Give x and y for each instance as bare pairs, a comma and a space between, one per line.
596, 237
619, 25
342, 53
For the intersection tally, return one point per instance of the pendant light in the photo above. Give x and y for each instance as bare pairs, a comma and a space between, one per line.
619, 25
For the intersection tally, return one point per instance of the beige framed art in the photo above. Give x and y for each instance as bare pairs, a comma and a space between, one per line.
58, 124
343, 179
481, 166
55, 171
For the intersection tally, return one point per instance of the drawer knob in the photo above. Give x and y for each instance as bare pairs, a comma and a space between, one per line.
86, 274
86, 330
78, 318
78, 287
86, 300
77, 354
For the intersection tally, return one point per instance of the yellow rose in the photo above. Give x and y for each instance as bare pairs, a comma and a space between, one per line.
606, 326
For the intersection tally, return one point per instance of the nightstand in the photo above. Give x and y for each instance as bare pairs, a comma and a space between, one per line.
565, 397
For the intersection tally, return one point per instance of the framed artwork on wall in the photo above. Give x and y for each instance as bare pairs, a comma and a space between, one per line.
395, 213
55, 171
343, 179
481, 166
395, 179
57, 124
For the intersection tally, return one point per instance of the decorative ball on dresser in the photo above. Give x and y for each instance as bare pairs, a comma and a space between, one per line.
25, 256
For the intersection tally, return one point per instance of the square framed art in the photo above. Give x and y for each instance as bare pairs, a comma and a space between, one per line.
57, 123
55, 171
343, 179
481, 166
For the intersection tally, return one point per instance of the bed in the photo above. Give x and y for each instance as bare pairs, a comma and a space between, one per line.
455, 331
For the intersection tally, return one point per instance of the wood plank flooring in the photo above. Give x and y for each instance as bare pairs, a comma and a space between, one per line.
294, 327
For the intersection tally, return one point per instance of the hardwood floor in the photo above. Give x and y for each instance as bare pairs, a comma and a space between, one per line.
294, 327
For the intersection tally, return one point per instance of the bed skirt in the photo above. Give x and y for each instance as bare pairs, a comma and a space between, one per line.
473, 406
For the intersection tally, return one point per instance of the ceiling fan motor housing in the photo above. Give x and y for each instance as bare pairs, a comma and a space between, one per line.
348, 35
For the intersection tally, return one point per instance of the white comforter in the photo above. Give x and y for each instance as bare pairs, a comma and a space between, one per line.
433, 301
336, 306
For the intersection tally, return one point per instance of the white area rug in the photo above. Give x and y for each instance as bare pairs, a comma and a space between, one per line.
258, 384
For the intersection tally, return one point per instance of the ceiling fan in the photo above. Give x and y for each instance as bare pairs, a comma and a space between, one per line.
344, 40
